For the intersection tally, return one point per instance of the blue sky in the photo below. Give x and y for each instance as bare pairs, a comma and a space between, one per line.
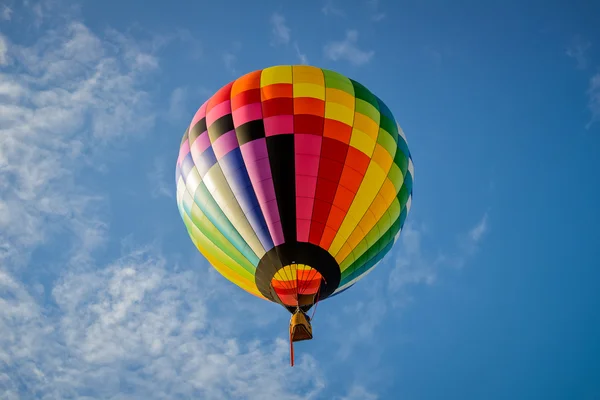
491, 293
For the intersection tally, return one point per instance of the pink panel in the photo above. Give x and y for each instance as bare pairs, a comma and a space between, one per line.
251, 112
302, 229
259, 170
276, 233
218, 111
224, 144
279, 124
264, 190
306, 186
307, 144
304, 207
309, 165
183, 151
201, 113
254, 150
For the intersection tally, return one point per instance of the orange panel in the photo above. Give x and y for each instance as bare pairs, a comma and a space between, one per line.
277, 90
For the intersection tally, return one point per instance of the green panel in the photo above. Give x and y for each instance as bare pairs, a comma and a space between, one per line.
335, 80
361, 92
389, 126
367, 109
386, 141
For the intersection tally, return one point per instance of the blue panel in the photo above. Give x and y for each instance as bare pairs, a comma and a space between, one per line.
205, 161
186, 165
237, 176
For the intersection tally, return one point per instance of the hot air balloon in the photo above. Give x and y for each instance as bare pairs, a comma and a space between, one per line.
294, 182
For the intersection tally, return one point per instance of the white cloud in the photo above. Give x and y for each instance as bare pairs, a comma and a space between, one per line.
177, 104
3, 51
301, 56
60, 99
578, 50
347, 50
280, 31
477, 232
6, 14
159, 181
376, 14
594, 99
136, 324
329, 8
414, 266
358, 392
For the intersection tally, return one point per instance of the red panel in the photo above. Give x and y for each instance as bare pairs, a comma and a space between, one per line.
244, 98
334, 149
357, 160
330, 170
320, 212
310, 124
325, 189
222, 95
316, 231
337, 130
278, 106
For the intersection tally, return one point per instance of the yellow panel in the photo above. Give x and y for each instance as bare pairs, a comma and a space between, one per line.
365, 124
378, 207
382, 157
367, 222
309, 90
227, 272
388, 191
216, 253
340, 97
308, 74
277, 74
367, 191
363, 142
339, 113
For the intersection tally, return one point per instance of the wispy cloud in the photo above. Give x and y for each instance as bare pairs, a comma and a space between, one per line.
280, 32
136, 323
6, 13
158, 179
3, 51
376, 14
358, 392
594, 100
347, 50
414, 266
329, 8
578, 50
61, 99
177, 104
230, 58
301, 56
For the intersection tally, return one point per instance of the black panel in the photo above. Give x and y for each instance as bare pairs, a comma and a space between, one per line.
197, 130
300, 253
250, 131
282, 161
220, 127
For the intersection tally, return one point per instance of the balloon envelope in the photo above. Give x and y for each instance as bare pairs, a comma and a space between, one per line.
294, 182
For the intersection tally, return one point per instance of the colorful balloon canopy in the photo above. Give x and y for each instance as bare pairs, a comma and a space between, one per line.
294, 182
